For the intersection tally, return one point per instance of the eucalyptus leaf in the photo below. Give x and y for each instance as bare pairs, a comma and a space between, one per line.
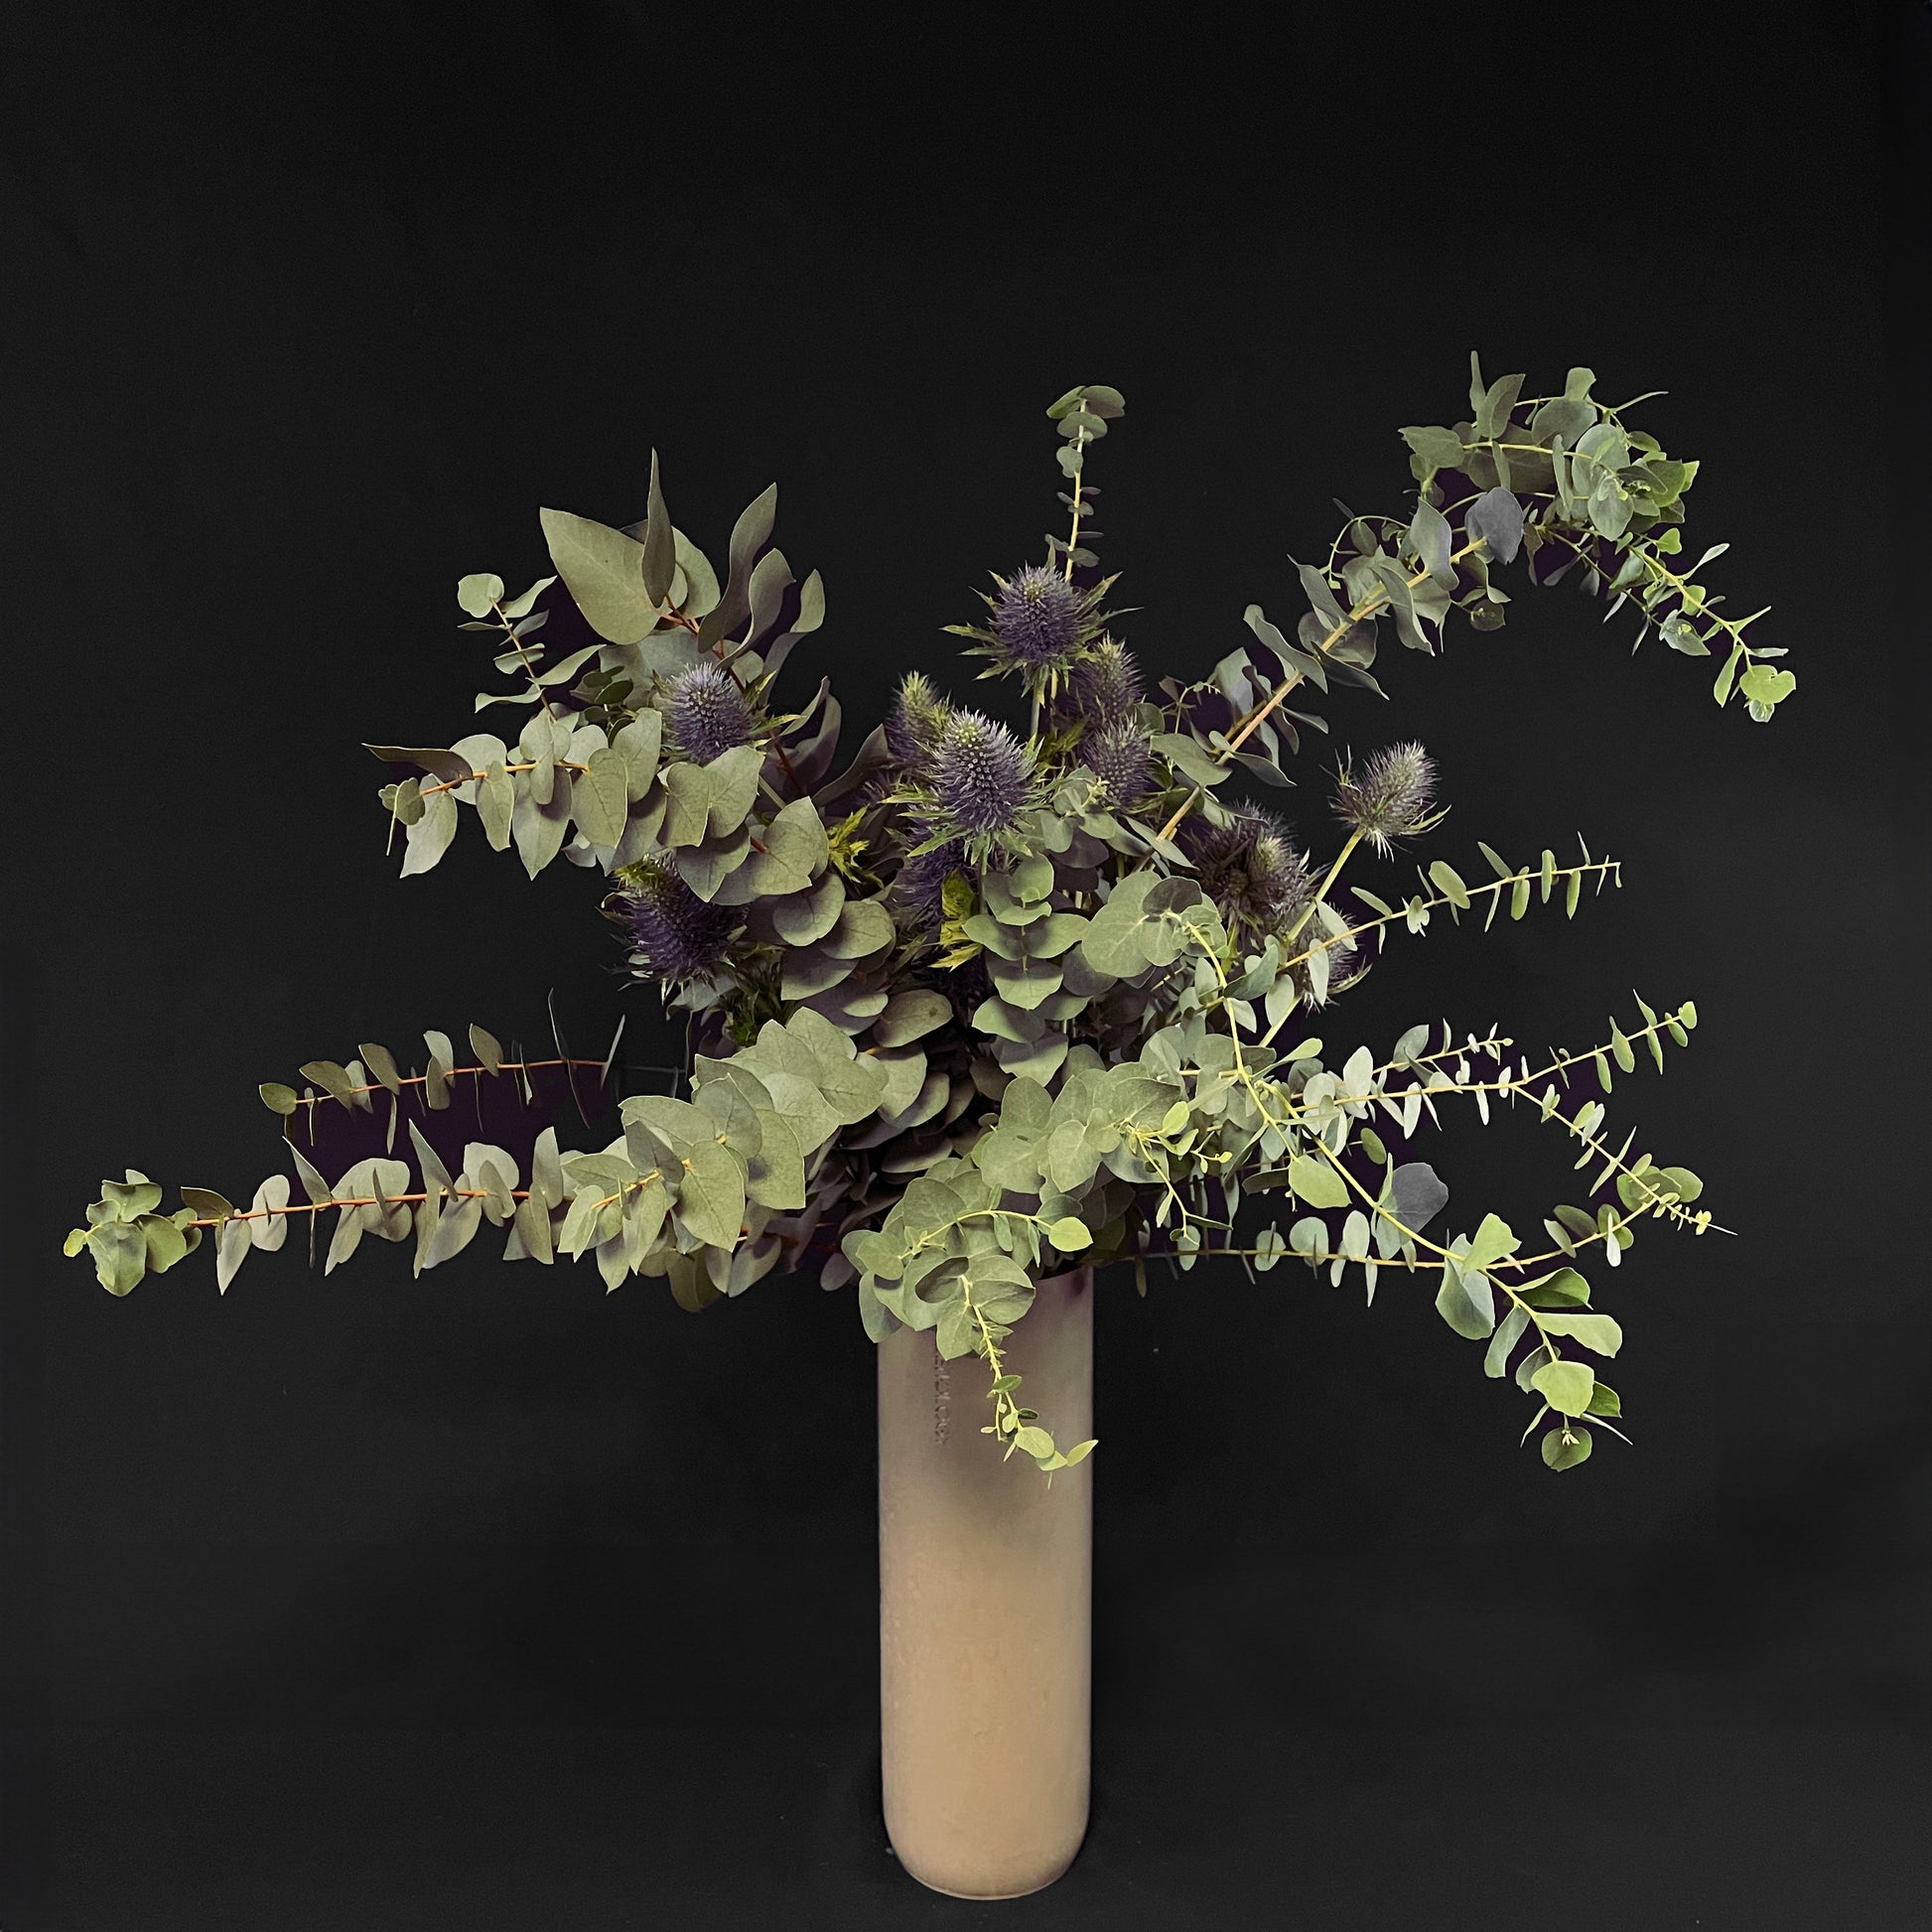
1565, 1385
604, 570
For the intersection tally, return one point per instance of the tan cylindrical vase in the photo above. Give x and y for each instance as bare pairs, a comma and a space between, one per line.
986, 1605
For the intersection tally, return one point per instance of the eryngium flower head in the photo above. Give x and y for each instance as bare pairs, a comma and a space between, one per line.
1391, 795
982, 776
1038, 615
707, 712
674, 934
1117, 757
921, 883
1251, 869
917, 718
1106, 684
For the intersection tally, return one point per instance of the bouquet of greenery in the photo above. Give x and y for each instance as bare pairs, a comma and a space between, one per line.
985, 1002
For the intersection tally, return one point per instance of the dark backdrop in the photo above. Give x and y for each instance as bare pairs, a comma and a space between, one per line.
486, 1600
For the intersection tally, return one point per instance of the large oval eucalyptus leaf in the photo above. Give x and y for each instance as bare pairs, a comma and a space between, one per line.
1466, 1303
1597, 1332
734, 785
801, 919
711, 1196
1318, 1183
599, 794
1417, 1196
538, 830
1566, 1386
429, 838
911, 1015
604, 570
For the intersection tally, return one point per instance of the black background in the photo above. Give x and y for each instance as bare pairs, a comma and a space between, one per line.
486, 1600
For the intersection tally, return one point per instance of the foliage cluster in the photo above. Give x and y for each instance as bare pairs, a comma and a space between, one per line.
980, 1003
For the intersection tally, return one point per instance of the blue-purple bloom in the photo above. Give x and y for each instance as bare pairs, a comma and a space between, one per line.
1391, 796
1037, 616
707, 712
1250, 868
1106, 684
674, 934
1117, 757
982, 777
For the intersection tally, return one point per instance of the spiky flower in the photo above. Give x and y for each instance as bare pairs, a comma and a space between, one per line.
674, 934
1106, 684
1038, 615
982, 777
917, 718
707, 712
1391, 796
1251, 869
1117, 757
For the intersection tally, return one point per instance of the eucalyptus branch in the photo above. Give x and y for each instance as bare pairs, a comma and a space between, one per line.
354, 1090
517, 645
1423, 905
1364, 609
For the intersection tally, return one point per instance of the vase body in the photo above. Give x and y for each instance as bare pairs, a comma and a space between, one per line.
985, 1606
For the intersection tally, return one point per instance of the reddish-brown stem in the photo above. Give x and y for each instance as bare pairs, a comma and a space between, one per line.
456, 1073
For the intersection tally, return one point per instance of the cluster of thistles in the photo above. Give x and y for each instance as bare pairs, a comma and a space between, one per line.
958, 786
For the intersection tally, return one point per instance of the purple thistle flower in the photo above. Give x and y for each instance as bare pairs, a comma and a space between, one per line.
1251, 869
1391, 797
674, 934
918, 717
1038, 615
982, 776
707, 712
1106, 684
1117, 757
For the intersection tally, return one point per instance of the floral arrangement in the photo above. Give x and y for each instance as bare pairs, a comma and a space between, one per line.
990, 999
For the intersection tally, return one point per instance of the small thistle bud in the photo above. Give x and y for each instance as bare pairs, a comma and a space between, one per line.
1106, 684
918, 717
1117, 757
1391, 796
982, 776
1037, 616
707, 712
674, 932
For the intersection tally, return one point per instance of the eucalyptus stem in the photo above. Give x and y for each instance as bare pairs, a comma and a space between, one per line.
1365, 608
